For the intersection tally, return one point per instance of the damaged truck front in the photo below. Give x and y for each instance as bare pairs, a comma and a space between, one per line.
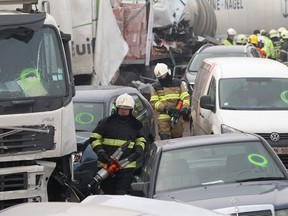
37, 134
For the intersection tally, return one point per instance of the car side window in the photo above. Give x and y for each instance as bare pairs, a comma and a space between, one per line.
139, 106
212, 90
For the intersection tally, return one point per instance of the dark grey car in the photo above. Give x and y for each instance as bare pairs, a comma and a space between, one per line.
210, 50
229, 173
91, 104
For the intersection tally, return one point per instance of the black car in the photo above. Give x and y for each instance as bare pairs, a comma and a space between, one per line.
91, 104
230, 173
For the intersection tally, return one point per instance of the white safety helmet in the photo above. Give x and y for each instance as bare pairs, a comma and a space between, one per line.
284, 34
281, 29
231, 32
273, 33
125, 101
263, 32
161, 69
241, 39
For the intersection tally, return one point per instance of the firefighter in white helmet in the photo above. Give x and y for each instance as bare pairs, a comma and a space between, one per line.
275, 38
241, 39
166, 94
230, 37
112, 132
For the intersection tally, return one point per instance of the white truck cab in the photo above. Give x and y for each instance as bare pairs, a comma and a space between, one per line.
37, 132
240, 94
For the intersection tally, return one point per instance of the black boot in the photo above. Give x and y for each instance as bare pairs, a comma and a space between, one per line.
164, 136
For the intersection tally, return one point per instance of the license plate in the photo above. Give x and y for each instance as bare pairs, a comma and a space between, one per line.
281, 150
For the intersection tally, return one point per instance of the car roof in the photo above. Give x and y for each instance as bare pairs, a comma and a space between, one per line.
100, 93
222, 49
214, 139
232, 67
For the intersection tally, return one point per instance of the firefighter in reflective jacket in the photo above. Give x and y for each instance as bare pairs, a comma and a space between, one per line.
230, 37
112, 132
166, 92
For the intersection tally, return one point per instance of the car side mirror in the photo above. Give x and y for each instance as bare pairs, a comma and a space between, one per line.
207, 103
140, 188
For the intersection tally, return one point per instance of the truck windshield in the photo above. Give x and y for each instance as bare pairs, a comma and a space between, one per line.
254, 93
31, 64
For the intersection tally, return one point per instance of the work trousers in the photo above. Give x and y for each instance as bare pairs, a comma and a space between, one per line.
166, 131
118, 184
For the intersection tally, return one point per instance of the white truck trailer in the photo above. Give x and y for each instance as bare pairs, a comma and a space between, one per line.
117, 41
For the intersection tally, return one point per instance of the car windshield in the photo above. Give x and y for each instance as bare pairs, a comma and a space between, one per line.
198, 58
215, 164
87, 115
253, 93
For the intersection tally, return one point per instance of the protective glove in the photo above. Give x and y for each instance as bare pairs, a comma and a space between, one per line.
103, 157
185, 111
168, 111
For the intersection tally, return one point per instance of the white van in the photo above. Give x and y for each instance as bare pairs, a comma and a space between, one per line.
233, 94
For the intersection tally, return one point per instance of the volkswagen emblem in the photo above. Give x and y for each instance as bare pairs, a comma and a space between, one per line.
274, 137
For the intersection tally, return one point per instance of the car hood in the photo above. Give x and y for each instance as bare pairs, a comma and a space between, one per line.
150, 206
255, 121
238, 194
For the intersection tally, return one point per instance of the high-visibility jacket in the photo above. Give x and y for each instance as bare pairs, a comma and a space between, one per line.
277, 44
268, 48
168, 96
228, 42
113, 131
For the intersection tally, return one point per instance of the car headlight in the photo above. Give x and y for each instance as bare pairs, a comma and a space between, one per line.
283, 212
227, 129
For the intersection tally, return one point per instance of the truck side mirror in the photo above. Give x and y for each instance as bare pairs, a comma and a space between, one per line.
207, 103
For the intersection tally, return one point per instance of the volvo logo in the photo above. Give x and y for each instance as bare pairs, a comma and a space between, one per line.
274, 137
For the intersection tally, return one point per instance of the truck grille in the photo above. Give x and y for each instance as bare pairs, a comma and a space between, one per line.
255, 213
26, 138
11, 182
7, 203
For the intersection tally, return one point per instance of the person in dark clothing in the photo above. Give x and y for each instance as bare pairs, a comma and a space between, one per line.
111, 133
284, 48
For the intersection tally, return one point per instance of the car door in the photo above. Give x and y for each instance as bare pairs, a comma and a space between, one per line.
207, 116
200, 87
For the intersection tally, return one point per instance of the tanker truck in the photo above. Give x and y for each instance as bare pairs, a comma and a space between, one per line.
245, 16
115, 42
37, 133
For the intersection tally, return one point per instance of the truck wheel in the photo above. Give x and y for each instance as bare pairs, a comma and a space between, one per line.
120, 81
